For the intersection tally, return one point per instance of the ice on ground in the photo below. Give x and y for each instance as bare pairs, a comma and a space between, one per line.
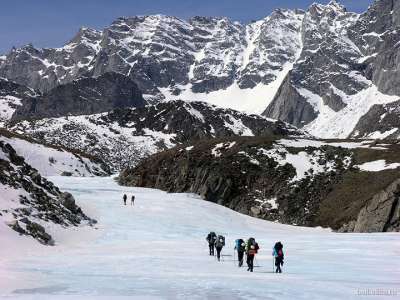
378, 165
157, 250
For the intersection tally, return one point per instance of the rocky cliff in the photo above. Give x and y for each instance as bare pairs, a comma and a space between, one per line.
82, 97
301, 182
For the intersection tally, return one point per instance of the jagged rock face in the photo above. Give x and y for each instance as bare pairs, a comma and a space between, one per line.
272, 43
380, 27
382, 213
326, 70
310, 68
11, 96
28, 200
82, 97
345, 60
195, 120
381, 121
122, 137
265, 178
295, 109
43, 69
166, 56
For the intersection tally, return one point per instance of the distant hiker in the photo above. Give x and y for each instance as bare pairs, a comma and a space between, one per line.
211, 238
277, 253
251, 251
124, 198
219, 244
133, 200
240, 247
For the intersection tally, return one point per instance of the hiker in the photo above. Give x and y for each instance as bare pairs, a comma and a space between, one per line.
211, 238
125, 197
251, 251
277, 253
240, 247
133, 200
219, 244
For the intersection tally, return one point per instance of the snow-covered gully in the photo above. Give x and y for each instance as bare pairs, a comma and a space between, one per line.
157, 250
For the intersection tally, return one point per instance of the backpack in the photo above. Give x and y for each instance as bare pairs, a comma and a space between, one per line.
278, 249
240, 245
220, 242
211, 237
252, 245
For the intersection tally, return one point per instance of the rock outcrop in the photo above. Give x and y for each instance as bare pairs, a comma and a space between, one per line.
382, 121
29, 201
382, 213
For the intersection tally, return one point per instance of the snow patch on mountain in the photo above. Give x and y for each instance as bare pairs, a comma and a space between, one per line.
251, 100
331, 124
8, 105
377, 166
381, 135
50, 161
305, 163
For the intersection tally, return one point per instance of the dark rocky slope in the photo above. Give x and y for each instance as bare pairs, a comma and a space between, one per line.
250, 175
381, 121
82, 97
29, 201
125, 136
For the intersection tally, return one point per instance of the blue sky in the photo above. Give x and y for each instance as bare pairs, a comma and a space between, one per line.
49, 23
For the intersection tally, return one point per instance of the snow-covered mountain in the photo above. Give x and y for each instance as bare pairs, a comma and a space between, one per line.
125, 136
348, 64
321, 69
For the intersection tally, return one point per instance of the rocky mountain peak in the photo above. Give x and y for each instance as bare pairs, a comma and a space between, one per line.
297, 66
87, 36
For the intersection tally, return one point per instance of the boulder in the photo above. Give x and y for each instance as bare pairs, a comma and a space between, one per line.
68, 202
38, 232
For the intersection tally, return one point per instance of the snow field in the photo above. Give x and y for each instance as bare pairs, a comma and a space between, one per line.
157, 250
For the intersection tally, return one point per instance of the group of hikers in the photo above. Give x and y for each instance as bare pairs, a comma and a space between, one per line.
250, 248
125, 197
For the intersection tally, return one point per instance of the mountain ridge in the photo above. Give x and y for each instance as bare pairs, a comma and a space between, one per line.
310, 68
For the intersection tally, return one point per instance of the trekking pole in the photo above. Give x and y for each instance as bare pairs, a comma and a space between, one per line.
273, 264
